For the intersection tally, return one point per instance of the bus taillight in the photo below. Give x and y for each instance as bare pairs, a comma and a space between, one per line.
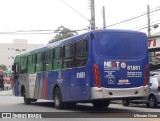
97, 77
146, 76
159, 88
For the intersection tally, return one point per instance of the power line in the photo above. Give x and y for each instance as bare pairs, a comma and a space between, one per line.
126, 20
33, 30
132, 18
144, 25
147, 26
24, 32
75, 10
19, 33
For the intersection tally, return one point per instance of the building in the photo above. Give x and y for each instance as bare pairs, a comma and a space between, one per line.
8, 51
154, 41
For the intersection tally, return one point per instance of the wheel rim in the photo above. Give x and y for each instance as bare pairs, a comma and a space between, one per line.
152, 102
124, 102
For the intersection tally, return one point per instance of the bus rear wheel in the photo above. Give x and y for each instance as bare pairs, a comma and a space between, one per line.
101, 104
58, 98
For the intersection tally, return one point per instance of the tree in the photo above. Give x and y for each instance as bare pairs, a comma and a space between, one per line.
3, 67
62, 33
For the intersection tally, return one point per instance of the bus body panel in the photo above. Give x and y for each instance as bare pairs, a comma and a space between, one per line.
76, 86
122, 58
23, 83
119, 61
122, 73
73, 84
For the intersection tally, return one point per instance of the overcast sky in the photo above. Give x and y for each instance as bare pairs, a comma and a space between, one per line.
24, 15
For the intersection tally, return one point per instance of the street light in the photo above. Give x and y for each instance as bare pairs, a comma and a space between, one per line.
155, 26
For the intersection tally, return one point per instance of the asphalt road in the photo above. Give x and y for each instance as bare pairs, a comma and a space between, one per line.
84, 112
15, 104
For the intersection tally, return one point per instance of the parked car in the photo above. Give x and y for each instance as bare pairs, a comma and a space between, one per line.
154, 96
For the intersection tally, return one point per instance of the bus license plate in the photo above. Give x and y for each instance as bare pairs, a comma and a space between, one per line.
123, 81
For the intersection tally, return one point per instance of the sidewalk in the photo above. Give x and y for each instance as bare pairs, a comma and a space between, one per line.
6, 93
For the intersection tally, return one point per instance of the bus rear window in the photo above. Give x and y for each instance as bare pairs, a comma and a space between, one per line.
124, 44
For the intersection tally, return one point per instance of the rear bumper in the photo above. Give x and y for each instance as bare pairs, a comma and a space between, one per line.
119, 93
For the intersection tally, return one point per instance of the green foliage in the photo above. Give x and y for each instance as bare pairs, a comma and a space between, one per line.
3, 67
62, 33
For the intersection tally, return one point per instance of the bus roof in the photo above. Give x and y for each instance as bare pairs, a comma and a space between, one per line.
71, 39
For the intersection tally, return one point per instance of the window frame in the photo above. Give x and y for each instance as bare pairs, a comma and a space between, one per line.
69, 58
48, 59
61, 50
39, 61
31, 64
23, 64
83, 54
71, 43
57, 62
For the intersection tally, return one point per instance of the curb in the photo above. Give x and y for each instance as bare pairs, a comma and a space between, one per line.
6, 94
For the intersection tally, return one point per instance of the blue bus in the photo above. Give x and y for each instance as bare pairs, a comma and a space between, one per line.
95, 67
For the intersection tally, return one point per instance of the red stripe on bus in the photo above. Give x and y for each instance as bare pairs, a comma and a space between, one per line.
44, 89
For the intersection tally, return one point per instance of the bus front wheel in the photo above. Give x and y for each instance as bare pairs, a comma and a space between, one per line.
58, 98
26, 100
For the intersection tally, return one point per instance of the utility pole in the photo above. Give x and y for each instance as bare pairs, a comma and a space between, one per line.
92, 22
149, 25
104, 18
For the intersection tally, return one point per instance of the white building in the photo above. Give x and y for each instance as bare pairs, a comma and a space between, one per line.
8, 51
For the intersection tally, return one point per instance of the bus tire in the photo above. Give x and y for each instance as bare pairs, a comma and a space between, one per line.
70, 104
58, 99
147, 105
101, 104
125, 102
27, 101
153, 102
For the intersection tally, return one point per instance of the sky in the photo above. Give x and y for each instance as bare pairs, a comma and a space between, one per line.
30, 15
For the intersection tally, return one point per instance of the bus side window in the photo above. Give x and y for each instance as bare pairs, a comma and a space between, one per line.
57, 58
48, 60
85, 46
68, 58
39, 62
23, 65
81, 48
31, 64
